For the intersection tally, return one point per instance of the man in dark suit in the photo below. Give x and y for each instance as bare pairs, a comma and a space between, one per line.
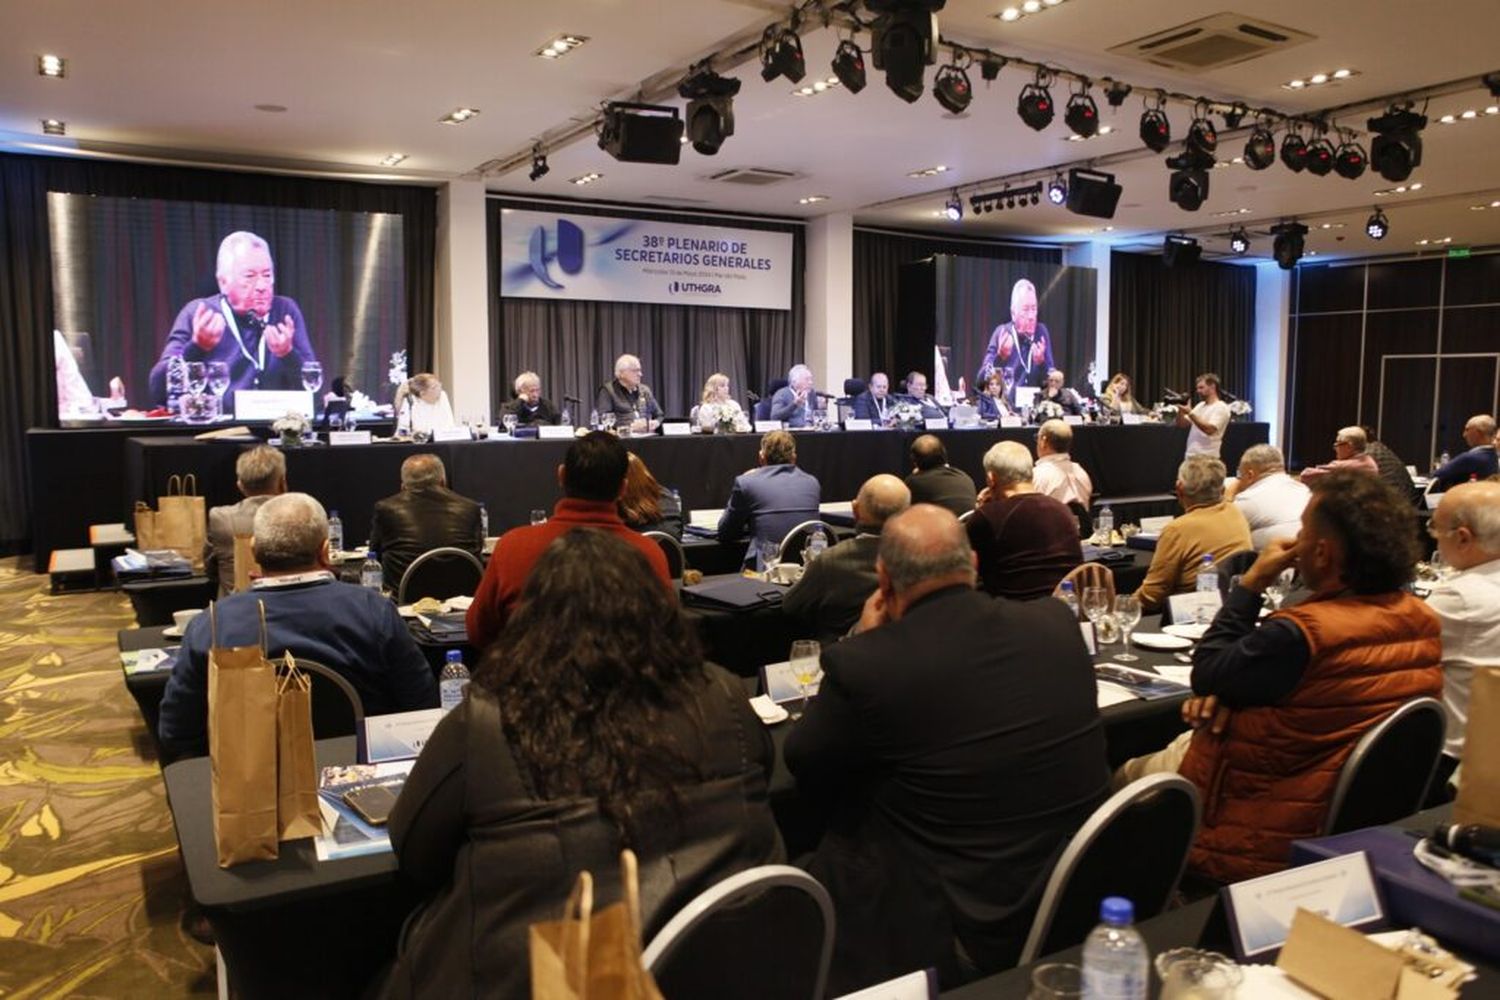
833, 588
770, 501
425, 515
933, 480
529, 406
958, 741
875, 404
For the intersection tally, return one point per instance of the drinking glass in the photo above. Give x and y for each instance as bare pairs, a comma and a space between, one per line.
1095, 604
770, 556
1056, 981
805, 668
539, 516
607, 421
510, 420
1128, 614
312, 376
218, 377
197, 377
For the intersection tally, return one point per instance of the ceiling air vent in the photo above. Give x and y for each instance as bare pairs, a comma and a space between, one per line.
1212, 43
754, 176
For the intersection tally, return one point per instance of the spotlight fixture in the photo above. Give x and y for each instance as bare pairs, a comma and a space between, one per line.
1178, 249
1156, 130
849, 66
1116, 93
1202, 137
903, 46
1188, 186
781, 54
952, 89
954, 210
1260, 148
1091, 192
539, 165
1036, 196
1082, 114
1287, 247
640, 133
1234, 114
1377, 225
1035, 103
1239, 241
1320, 157
990, 67
1350, 160
1294, 152
1397, 149
710, 111
1057, 191
978, 205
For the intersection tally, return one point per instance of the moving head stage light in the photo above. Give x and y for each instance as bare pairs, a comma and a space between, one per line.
710, 110
1287, 247
849, 66
1188, 185
1397, 149
903, 37
641, 133
781, 55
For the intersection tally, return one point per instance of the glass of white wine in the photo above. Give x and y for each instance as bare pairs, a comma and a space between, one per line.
510, 420
1128, 614
805, 668
1095, 604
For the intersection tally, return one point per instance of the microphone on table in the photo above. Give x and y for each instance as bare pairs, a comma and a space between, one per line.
572, 399
753, 397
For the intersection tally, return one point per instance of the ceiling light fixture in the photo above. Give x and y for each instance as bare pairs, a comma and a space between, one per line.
849, 66
1350, 160
1116, 93
1017, 11
903, 43
587, 178
954, 210
1260, 148
1035, 103
1320, 157
1377, 225
1239, 241
709, 118
560, 46
952, 89
458, 116
929, 171
51, 126
1397, 149
1057, 191
1202, 137
1082, 114
1319, 79
1287, 247
1156, 130
1188, 185
1177, 249
640, 133
393, 159
52, 66
1294, 152
1234, 114
812, 199
781, 54
539, 165
817, 87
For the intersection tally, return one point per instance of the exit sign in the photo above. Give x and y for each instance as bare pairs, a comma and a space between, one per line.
1458, 251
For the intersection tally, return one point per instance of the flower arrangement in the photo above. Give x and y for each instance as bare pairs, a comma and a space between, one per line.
292, 428
396, 375
906, 416
1239, 409
1047, 409
723, 418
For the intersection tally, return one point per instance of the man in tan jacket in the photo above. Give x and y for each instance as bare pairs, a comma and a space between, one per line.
1209, 525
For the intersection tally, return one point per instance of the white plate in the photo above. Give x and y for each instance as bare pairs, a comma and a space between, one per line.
1160, 640
171, 632
1191, 630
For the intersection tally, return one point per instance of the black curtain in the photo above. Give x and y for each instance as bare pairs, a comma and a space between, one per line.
573, 345
1168, 325
26, 292
878, 256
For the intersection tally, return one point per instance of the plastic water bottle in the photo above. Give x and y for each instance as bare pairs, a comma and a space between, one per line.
817, 544
1106, 524
1208, 583
593, 420
566, 420
335, 532
1115, 960
370, 574
1069, 596
484, 521
453, 681
1442, 460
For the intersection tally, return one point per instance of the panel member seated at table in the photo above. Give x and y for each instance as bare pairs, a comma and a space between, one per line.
646, 505
1118, 397
1025, 542
796, 403
1348, 453
1271, 500
1209, 524
592, 477
933, 480
718, 410
529, 407
307, 612
425, 515
915, 393
875, 403
630, 400
595, 725
1479, 461
1055, 390
957, 740
834, 587
421, 405
1278, 706
1056, 474
993, 400
259, 474
768, 502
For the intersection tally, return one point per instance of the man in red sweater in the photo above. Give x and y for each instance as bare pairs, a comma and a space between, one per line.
592, 476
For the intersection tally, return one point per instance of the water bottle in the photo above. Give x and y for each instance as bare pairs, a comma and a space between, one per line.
176, 383
1106, 525
566, 419
593, 420
1208, 583
350, 421
1442, 460
484, 521
453, 681
335, 532
370, 574
817, 543
1069, 596
1115, 961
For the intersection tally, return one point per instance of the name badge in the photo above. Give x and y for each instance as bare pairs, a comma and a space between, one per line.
1011, 420
1130, 419
766, 426
858, 424
1072, 419
348, 437
452, 434
676, 430
554, 432
1261, 909
1198, 606
936, 423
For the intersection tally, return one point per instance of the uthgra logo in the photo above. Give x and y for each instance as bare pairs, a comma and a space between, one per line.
568, 253
694, 288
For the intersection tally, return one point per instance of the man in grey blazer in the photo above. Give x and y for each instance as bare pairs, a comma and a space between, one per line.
769, 501
835, 586
260, 474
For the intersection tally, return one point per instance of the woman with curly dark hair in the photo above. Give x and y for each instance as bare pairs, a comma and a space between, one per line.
592, 724
647, 505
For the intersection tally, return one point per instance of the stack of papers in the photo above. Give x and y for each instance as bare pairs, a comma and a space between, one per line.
145, 661
345, 834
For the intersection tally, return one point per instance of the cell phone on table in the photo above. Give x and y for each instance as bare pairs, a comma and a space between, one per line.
373, 802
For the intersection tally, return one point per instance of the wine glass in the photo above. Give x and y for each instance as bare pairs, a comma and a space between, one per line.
312, 376
218, 377
805, 668
1095, 604
510, 420
197, 377
770, 556
1128, 614
607, 421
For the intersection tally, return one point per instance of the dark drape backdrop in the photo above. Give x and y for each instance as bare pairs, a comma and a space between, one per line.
573, 345
878, 256
26, 291
1168, 325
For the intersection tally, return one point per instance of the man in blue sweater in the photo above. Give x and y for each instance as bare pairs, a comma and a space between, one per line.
1479, 462
350, 629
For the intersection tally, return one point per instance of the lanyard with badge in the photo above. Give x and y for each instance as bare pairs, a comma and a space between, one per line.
234, 328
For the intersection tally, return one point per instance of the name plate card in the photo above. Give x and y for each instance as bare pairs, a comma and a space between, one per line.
1341, 889
676, 430
1072, 419
858, 424
767, 426
936, 423
452, 434
1200, 605
780, 683
557, 432
1131, 419
1012, 420
399, 736
1087, 628
348, 437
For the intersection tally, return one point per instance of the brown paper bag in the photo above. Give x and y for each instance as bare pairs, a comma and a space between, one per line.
297, 812
180, 521
242, 707
592, 955
1479, 777
245, 566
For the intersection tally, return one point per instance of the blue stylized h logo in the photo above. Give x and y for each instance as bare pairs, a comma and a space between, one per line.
569, 252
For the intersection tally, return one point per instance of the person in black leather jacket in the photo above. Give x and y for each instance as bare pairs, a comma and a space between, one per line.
425, 515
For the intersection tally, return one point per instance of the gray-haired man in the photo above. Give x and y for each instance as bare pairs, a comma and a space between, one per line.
260, 474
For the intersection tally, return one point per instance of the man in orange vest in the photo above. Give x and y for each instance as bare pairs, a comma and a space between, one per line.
1278, 707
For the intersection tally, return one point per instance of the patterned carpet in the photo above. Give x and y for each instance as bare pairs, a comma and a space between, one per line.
91, 887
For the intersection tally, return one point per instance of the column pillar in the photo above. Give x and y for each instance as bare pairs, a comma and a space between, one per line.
461, 299
829, 289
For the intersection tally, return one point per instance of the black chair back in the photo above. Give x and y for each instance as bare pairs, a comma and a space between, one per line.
1085, 519
1387, 775
791, 545
672, 549
1134, 845
1233, 566
854, 387
441, 574
337, 709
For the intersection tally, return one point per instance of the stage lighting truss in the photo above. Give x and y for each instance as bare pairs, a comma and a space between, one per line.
954, 209
781, 54
1239, 241
1294, 150
539, 165
1320, 156
1260, 148
1156, 129
1234, 114
1057, 191
1377, 225
951, 86
1397, 148
710, 111
849, 66
1035, 103
1082, 114
1202, 137
1288, 244
1008, 197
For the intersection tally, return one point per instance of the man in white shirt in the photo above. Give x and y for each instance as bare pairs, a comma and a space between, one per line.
1206, 421
1466, 525
1055, 473
1271, 500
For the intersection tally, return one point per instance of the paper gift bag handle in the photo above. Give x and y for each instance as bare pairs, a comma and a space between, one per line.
184, 486
629, 875
575, 928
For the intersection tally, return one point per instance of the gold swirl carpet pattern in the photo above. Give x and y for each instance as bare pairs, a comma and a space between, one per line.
91, 887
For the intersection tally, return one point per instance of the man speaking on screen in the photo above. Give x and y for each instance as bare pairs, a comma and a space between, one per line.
260, 335
1022, 347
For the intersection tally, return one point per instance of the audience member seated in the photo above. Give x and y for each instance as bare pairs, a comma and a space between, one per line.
1278, 707
421, 405
308, 613
592, 477
994, 402
1479, 462
1056, 474
933, 480
1392, 468
529, 407
595, 726
425, 515
768, 502
875, 404
1348, 453
1209, 525
1055, 390
795, 403
1270, 500
958, 743
627, 398
916, 394
260, 474
1025, 542
1466, 525
647, 505
1119, 396
717, 409
834, 586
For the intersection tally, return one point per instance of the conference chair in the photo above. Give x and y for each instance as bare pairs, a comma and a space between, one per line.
964, 517
1085, 519
852, 387
336, 707
672, 549
1387, 775
791, 545
1134, 845
763, 408
764, 932
1235, 565
440, 573
1089, 574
